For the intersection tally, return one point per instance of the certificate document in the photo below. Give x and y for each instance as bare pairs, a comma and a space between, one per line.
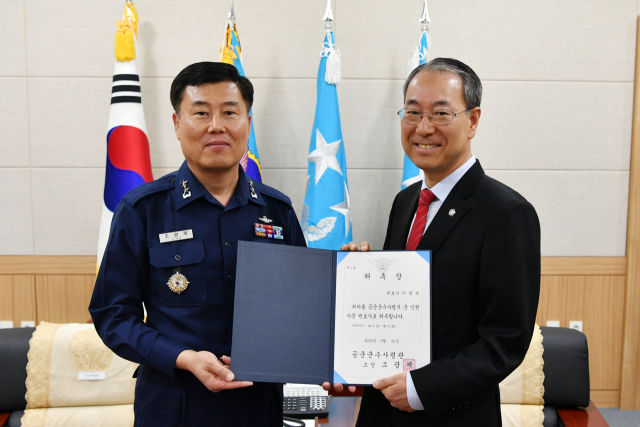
307, 316
382, 314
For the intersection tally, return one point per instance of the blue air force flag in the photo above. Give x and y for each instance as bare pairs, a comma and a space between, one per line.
411, 173
326, 216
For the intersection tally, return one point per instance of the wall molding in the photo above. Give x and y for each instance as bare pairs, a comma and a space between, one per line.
67, 265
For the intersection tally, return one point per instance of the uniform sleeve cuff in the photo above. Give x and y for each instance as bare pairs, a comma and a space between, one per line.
164, 354
412, 395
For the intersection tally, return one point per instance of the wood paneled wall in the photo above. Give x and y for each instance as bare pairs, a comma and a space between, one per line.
591, 290
58, 289
46, 288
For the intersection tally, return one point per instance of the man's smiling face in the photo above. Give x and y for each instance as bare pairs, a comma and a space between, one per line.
213, 126
438, 150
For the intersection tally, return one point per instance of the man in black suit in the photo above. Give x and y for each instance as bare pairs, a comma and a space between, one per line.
485, 243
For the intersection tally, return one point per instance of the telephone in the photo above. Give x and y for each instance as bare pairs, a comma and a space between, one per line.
305, 401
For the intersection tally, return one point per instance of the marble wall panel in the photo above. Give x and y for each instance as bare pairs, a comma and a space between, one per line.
582, 213
12, 51
163, 144
16, 226
67, 205
283, 114
555, 126
14, 122
505, 40
71, 38
370, 125
68, 121
74, 38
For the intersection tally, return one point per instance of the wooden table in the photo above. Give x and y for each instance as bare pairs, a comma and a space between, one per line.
343, 412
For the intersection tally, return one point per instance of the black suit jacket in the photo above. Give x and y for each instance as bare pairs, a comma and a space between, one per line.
485, 243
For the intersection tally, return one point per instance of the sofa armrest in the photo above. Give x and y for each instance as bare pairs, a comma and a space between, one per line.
589, 417
14, 343
566, 367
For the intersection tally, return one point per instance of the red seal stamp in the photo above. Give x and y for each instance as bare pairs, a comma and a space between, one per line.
408, 364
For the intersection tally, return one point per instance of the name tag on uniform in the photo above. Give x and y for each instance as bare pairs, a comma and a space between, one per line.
174, 236
92, 376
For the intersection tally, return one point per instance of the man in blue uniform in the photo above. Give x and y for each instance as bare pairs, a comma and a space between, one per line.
172, 246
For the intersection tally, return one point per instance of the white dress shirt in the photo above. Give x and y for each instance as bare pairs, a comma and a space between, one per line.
441, 190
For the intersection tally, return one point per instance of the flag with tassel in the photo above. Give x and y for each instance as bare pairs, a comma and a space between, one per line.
230, 53
326, 215
128, 159
410, 172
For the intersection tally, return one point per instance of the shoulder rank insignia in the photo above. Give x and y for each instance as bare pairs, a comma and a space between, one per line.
265, 219
178, 283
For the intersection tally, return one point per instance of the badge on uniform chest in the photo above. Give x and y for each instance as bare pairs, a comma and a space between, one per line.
270, 231
178, 282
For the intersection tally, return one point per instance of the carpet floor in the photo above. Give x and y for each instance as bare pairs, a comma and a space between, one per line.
617, 418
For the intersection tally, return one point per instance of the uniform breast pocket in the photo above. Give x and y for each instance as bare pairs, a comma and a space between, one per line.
179, 275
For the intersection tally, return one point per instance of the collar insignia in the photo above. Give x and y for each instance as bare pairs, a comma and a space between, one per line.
186, 192
253, 191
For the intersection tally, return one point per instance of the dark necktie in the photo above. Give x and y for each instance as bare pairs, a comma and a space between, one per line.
426, 197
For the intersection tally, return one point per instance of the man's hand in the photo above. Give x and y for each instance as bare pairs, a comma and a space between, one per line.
351, 246
395, 390
207, 368
337, 386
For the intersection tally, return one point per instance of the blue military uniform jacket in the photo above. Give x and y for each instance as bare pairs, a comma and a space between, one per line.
135, 269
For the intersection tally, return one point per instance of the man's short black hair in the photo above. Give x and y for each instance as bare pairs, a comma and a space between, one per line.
209, 72
472, 92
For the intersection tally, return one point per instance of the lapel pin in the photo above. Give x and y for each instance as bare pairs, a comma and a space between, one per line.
452, 212
186, 192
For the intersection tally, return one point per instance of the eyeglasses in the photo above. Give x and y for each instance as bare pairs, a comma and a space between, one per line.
437, 117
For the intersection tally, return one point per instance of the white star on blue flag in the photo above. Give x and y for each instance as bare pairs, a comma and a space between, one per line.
326, 216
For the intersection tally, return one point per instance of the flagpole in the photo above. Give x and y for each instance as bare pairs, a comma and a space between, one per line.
328, 17
424, 19
232, 16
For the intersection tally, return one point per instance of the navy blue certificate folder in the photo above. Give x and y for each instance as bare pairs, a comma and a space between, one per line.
295, 307
283, 320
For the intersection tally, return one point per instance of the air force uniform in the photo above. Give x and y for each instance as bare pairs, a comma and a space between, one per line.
173, 247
